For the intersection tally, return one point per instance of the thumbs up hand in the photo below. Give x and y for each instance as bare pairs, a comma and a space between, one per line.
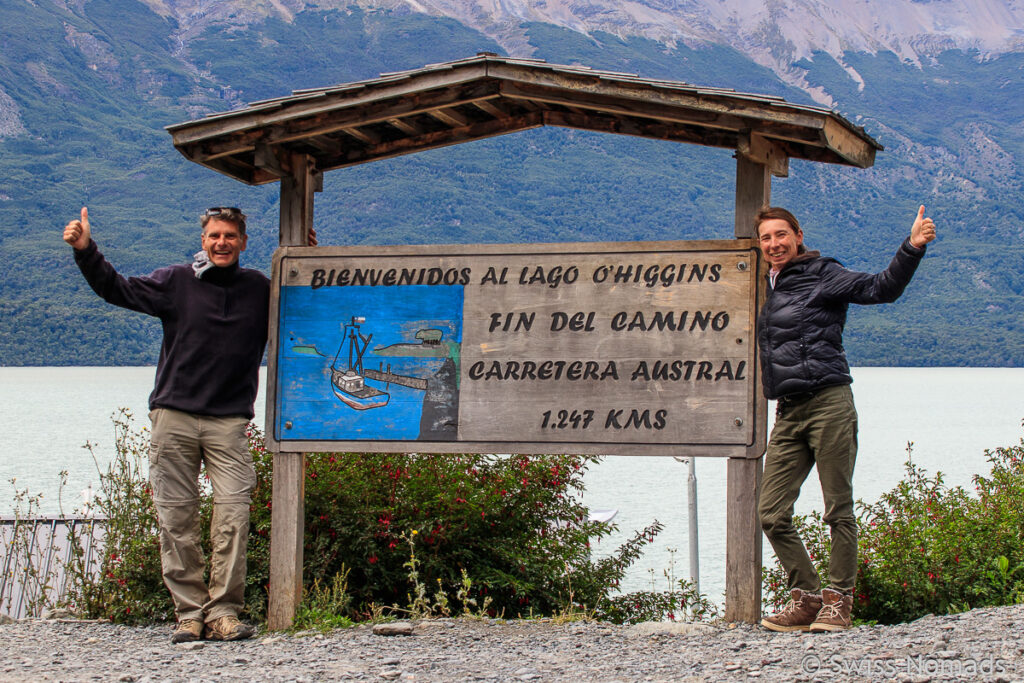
923, 230
77, 233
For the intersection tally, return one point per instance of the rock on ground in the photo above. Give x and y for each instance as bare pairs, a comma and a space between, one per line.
984, 644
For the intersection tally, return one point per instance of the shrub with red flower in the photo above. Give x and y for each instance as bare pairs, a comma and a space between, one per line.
928, 548
514, 524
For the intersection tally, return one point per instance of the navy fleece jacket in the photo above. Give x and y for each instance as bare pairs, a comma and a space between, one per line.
215, 330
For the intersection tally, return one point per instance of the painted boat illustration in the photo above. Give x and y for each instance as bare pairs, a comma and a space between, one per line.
348, 379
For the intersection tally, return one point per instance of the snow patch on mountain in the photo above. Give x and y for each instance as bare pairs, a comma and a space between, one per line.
773, 33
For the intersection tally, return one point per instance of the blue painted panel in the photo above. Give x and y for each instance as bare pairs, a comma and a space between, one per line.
415, 336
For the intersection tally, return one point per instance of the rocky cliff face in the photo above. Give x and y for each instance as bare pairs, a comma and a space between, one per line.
774, 33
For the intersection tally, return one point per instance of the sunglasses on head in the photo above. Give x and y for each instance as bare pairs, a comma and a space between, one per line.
219, 210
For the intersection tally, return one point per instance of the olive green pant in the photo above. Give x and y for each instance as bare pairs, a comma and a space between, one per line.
821, 431
179, 444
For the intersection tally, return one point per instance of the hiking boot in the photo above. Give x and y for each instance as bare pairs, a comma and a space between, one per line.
187, 631
797, 615
227, 628
835, 612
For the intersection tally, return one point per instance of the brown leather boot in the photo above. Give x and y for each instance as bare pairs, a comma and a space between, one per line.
835, 612
797, 615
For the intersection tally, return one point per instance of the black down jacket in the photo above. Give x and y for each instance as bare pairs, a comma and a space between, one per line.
800, 328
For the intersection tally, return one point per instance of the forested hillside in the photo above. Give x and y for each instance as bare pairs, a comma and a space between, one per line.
86, 89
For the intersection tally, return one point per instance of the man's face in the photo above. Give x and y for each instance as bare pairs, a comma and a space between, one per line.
223, 242
779, 241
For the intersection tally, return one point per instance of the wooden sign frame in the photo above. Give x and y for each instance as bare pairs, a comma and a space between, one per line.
294, 140
628, 348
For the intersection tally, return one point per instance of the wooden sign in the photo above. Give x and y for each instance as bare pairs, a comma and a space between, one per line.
607, 348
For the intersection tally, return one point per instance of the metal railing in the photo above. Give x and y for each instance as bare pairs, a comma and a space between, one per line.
35, 554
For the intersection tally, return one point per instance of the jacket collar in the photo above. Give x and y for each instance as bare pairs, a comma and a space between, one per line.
221, 276
796, 261
801, 258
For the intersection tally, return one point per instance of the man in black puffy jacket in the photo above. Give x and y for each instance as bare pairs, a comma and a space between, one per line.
800, 340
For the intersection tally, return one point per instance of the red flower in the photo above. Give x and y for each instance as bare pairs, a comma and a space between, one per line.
372, 559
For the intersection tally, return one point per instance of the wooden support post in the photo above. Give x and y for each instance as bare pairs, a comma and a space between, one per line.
288, 497
297, 189
286, 538
743, 529
742, 541
753, 190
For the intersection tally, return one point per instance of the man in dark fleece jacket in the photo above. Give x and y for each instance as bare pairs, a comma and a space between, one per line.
214, 317
804, 367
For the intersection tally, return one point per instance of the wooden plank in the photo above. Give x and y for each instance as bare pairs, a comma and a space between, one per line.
343, 156
407, 127
606, 123
297, 190
743, 530
242, 120
757, 148
539, 248
807, 139
366, 136
288, 496
643, 96
268, 158
432, 140
759, 426
742, 541
848, 144
449, 116
286, 539
611, 105
524, 447
325, 145
491, 107
322, 123
753, 190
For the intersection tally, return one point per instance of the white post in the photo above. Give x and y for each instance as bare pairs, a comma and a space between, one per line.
691, 500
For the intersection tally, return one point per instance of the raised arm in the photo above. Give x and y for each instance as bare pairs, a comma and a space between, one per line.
147, 294
886, 286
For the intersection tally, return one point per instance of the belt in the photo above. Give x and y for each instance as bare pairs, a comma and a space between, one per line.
800, 397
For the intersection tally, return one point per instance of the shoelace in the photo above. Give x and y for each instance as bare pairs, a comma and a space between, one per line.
831, 611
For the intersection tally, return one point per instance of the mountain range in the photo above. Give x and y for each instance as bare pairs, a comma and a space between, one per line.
86, 87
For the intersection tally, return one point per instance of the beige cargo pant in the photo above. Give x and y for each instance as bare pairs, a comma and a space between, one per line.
179, 444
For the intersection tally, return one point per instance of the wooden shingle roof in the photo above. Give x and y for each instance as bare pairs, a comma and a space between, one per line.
487, 95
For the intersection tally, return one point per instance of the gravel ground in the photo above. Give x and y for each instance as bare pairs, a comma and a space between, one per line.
984, 644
